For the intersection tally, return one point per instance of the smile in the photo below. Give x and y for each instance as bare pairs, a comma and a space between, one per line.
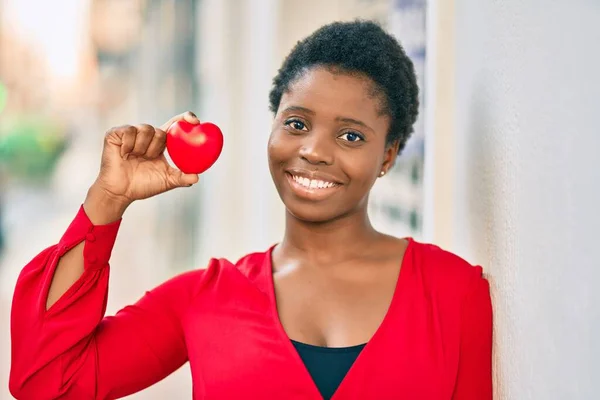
311, 189
312, 183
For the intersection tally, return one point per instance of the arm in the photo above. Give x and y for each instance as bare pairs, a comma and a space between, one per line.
101, 210
133, 167
61, 345
474, 381
69, 350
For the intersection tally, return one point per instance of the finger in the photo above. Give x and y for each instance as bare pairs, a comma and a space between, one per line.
157, 145
128, 134
188, 179
186, 116
144, 136
179, 179
190, 117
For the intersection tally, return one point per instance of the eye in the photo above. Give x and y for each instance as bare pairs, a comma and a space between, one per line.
296, 124
352, 137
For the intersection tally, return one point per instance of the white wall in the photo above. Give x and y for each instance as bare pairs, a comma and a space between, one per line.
527, 186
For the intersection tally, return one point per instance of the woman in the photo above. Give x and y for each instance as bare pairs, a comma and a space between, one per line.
335, 310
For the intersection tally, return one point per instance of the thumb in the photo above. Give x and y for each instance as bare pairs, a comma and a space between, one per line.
179, 179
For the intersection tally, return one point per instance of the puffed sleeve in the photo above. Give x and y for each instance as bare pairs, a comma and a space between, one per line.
71, 350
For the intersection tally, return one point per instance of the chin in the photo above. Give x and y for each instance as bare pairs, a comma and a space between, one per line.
316, 213
305, 214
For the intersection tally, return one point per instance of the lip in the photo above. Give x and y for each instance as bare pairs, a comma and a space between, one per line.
318, 175
311, 193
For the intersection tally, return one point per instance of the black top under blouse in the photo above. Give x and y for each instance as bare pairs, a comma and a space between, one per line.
327, 365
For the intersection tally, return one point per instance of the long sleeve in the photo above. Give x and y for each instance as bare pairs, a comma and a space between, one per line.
474, 381
71, 351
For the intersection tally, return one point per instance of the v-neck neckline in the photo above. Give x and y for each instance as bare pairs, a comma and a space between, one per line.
404, 263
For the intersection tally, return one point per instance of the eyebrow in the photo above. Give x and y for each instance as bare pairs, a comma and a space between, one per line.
352, 121
298, 108
339, 119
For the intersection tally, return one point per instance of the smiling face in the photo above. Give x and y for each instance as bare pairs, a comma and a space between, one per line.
328, 144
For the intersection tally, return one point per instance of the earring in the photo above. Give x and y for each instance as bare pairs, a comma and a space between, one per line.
382, 173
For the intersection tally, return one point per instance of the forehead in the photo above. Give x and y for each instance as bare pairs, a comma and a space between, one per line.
337, 93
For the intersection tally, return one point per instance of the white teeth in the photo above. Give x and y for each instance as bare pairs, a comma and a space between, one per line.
312, 183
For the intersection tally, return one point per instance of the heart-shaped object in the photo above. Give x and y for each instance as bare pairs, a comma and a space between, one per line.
194, 148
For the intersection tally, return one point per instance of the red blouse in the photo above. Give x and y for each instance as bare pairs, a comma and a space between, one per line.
435, 341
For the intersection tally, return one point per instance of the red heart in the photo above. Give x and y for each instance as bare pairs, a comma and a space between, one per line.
194, 148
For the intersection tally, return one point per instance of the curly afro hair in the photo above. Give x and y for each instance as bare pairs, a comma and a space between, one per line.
363, 48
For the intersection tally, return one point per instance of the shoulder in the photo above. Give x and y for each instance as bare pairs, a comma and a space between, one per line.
254, 265
445, 272
229, 277
220, 276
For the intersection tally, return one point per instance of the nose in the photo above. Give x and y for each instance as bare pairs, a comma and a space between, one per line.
316, 149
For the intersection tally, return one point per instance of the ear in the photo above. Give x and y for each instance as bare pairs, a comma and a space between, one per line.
390, 155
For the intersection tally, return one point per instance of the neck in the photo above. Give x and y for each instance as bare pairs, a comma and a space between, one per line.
328, 242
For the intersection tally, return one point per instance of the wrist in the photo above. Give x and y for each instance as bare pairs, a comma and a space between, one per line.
103, 207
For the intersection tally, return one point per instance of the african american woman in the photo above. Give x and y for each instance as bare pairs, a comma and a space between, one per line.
335, 310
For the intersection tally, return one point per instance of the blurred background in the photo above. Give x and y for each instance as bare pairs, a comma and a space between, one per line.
502, 168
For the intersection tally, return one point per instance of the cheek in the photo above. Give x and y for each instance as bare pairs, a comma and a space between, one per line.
363, 170
278, 148
272, 147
